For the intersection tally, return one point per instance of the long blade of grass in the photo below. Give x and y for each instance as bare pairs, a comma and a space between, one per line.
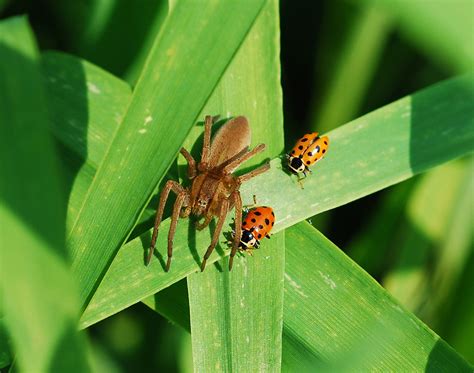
380, 149
38, 295
233, 312
187, 59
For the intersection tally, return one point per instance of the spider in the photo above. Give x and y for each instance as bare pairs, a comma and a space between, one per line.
214, 190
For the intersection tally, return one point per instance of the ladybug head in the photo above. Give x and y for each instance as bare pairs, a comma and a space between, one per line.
296, 165
247, 240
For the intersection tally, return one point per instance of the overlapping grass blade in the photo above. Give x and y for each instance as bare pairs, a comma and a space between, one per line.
190, 54
232, 313
38, 297
366, 155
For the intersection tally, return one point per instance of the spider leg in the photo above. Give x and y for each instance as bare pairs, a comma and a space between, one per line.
254, 173
238, 226
192, 171
206, 145
174, 221
205, 223
169, 186
215, 236
244, 157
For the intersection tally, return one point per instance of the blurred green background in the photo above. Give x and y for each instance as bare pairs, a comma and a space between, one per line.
340, 60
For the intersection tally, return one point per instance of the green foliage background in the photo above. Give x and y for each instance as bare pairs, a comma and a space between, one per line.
371, 265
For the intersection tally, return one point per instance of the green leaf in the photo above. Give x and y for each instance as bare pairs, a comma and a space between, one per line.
39, 298
336, 313
377, 150
188, 57
233, 312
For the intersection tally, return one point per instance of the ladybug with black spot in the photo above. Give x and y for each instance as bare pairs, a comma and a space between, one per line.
307, 151
257, 224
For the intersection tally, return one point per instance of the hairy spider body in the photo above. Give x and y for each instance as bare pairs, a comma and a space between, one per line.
214, 190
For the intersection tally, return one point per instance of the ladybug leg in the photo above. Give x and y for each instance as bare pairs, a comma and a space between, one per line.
300, 180
238, 226
268, 236
192, 171
247, 207
169, 186
215, 236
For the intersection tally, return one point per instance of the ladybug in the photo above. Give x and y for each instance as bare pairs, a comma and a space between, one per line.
307, 151
257, 224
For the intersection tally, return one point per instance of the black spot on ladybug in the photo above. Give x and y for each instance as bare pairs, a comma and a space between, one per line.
310, 154
258, 213
244, 223
308, 162
304, 139
253, 220
300, 147
273, 223
267, 222
292, 152
325, 142
324, 151
260, 227
300, 156
259, 236
273, 214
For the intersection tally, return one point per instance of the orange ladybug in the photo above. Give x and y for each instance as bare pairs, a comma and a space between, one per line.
257, 224
307, 151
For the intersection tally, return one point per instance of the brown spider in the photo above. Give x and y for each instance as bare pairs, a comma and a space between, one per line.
214, 190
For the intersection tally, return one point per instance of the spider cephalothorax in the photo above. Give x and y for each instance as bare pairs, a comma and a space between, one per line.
214, 189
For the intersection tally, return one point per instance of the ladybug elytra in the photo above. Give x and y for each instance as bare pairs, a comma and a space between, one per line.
257, 224
307, 151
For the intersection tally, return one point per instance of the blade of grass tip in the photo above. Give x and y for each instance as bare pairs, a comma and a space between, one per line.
224, 336
185, 63
41, 319
377, 150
